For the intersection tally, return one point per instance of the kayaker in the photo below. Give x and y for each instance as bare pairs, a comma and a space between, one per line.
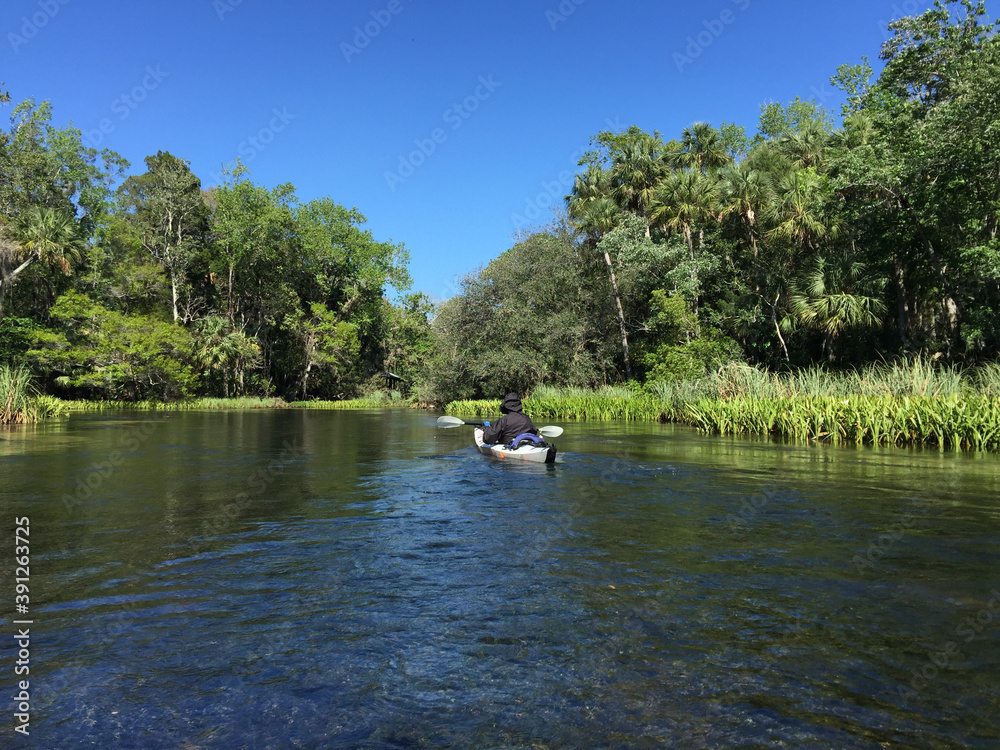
510, 425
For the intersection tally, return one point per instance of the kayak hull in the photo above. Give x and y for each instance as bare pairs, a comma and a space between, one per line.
532, 453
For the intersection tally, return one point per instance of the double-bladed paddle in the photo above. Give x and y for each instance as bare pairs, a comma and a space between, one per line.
446, 422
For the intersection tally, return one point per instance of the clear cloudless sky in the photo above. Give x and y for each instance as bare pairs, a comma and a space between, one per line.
447, 124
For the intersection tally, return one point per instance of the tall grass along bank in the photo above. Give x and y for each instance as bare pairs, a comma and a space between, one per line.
902, 404
19, 403
377, 401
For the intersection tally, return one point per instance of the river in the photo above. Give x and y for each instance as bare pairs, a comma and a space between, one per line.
325, 579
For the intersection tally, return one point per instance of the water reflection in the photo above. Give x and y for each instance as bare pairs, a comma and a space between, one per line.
380, 584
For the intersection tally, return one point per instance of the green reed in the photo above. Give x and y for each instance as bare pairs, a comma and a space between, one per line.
909, 403
241, 403
16, 395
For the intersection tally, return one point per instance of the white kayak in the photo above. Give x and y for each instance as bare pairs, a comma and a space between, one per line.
538, 454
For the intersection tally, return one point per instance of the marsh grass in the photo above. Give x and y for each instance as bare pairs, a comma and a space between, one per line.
19, 401
16, 395
914, 402
377, 401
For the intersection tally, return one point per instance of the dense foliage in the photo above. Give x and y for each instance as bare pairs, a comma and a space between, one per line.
147, 287
837, 238
844, 239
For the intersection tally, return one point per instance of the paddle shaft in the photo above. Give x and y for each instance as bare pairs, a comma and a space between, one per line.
447, 422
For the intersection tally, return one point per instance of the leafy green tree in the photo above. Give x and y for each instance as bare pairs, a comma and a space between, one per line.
680, 347
254, 230
105, 354
43, 165
920, 180
734, 140
330, 351
170, 217
777, 120
406, 337
598, 218
537, 314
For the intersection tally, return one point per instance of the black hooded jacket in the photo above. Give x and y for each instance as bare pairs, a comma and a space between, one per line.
510, 425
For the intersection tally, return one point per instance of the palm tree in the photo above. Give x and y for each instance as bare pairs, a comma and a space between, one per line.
833, 297
680, 202
804, 147
226, 352
703, 148
635, 171
798, 213
43, 234
858, 130
588, 187
746, 191
597, 217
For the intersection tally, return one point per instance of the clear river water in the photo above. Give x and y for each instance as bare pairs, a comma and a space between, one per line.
321, 579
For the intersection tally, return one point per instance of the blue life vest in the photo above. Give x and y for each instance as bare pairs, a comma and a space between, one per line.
524, 438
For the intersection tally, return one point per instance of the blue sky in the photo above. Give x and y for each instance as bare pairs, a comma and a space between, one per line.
446, 124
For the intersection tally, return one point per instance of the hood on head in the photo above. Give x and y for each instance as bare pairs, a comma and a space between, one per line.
511, 402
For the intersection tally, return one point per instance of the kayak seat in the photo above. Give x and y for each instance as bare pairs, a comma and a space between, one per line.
525, 438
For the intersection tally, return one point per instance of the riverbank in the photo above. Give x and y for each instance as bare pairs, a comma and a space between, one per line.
947, 422
381, 401
19, 406
912, 403
906, 404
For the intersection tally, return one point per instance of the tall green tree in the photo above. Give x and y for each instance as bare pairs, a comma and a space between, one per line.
166, 207
921, 179
681, 203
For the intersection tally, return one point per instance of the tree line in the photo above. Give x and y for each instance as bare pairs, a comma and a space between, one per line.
840, 238
147, 286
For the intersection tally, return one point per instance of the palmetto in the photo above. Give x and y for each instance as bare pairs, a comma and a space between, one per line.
703, 148
636, 172
42, 234
797, 214
50, 236
834, 296
746, 190
682, 200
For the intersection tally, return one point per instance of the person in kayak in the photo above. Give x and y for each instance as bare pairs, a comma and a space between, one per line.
510, 425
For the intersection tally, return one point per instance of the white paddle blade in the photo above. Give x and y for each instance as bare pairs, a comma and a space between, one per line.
450, 422
550, 431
